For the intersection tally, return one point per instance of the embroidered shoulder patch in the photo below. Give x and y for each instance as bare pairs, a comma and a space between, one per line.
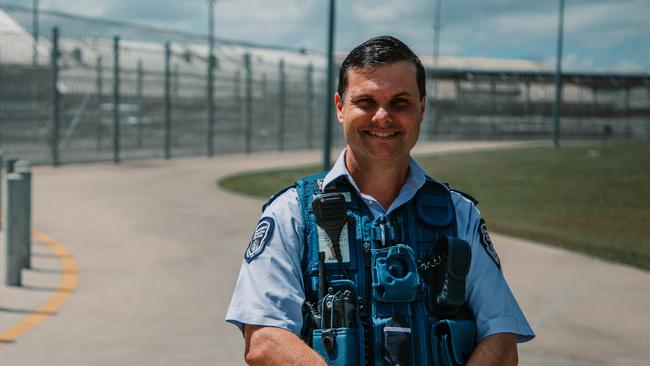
263, 233
487, 243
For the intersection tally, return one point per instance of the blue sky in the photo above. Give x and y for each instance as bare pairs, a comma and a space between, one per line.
600, 35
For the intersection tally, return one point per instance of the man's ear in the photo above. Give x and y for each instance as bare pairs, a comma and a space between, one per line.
339, 107
423, 105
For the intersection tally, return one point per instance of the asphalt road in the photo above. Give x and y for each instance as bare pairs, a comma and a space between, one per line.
158, 247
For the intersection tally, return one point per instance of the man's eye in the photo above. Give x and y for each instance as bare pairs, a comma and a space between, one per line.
400, 103
365, 103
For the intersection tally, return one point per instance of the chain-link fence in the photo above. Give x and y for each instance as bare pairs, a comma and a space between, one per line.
475, 104
99, 90
95, 90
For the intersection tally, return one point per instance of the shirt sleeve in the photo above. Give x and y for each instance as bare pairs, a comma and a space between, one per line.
269, 290
493, 305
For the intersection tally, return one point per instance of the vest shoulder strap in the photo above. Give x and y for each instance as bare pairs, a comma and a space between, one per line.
466, 195
276, 195
305, 189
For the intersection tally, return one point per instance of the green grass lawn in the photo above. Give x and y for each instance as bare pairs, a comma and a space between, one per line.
590, 198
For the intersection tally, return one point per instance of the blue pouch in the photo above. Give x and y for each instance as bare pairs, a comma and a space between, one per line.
453, 341
345, 350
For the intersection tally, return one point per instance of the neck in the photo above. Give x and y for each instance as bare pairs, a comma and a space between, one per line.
381, 180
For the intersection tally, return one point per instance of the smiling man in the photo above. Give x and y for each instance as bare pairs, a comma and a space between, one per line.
374, 262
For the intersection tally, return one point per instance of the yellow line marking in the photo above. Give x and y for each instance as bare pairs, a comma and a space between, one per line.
67, 285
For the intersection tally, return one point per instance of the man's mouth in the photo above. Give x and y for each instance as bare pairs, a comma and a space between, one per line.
382, 134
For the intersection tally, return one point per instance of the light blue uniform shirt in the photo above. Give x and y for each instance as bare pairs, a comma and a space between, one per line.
270, 291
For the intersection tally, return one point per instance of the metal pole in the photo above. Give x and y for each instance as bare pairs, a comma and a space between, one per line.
626, 113
10, 213
558, 78
139, 88
211, 77
329, 102
100, 92
310, 105
35, 33
248, 134
434, 111
168, 100
176, 74
54, 133
26, 174
281, 101
116, 99
436, 46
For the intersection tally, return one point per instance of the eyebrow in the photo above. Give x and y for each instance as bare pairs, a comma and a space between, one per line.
402, 94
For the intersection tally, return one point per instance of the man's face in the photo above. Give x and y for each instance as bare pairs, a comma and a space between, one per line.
381, 111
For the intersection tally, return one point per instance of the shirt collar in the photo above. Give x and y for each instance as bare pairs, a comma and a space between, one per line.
415, 179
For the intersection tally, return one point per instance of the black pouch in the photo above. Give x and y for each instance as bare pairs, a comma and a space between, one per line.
397, 342
446, 280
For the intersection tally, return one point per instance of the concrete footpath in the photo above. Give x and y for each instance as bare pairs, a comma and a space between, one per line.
154, 249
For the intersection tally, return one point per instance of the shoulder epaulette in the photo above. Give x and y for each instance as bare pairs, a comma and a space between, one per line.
466, 195
275, 196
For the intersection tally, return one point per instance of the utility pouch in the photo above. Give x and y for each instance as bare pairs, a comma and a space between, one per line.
453, 341
398, 344
446, 279
394, 274
343, 349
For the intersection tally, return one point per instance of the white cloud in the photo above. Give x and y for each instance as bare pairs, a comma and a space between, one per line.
87, 8
573, 62
628, 66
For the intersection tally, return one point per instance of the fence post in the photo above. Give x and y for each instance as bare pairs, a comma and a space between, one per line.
11, 214
168, 100
249, 103
528, 105
177, 81
139, 87
237, 93
647, 128
281, 101
211, 62
310, 105
22, 168
626, 112
263, 104
54, 133
100, 91
116, 99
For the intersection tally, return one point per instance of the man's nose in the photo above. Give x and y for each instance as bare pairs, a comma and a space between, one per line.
381, 115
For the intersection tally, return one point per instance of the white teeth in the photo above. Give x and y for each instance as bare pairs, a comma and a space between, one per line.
382, 134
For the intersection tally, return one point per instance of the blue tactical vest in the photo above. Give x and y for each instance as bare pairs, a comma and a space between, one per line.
384, 291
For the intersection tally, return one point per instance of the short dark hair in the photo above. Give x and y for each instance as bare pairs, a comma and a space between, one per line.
382, 50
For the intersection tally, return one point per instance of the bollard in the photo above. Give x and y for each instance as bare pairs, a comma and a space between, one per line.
11, 213
1, 168
22, 168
